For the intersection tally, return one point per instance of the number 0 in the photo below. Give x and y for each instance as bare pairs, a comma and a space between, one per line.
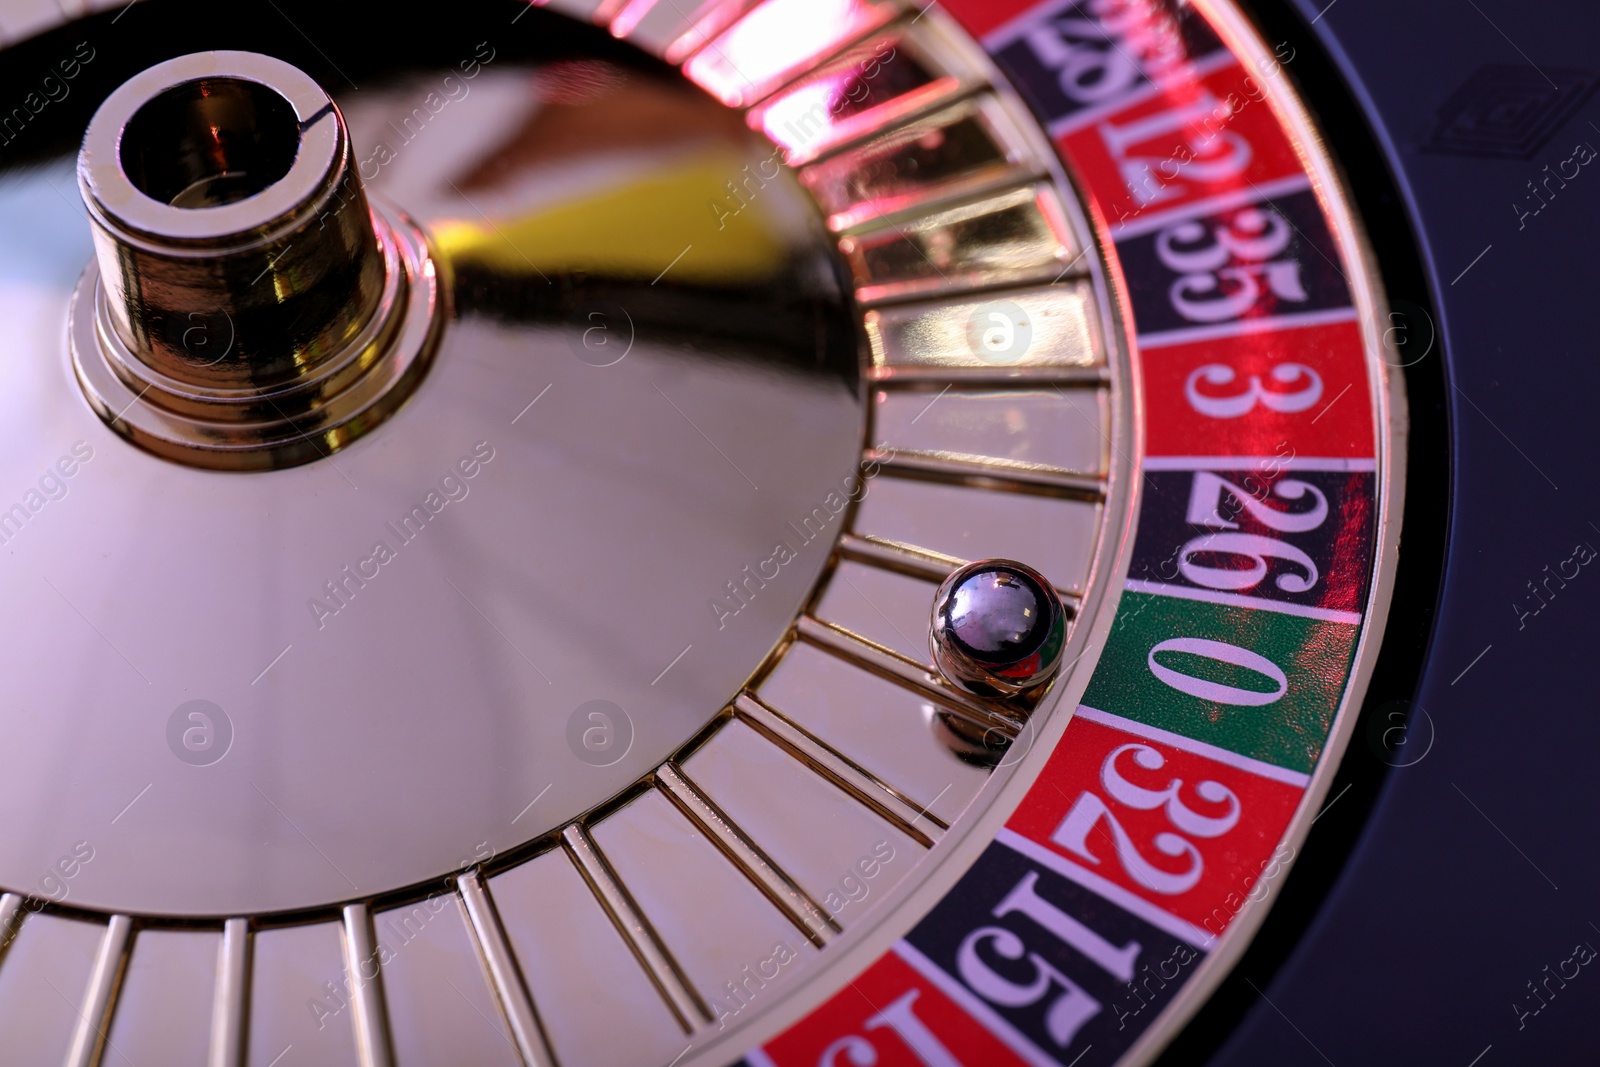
1222, 653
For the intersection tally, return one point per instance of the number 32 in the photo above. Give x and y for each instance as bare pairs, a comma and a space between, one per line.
1073, 833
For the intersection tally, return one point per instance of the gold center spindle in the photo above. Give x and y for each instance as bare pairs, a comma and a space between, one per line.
248, 308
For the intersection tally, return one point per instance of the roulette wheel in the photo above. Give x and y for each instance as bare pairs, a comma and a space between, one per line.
783, 532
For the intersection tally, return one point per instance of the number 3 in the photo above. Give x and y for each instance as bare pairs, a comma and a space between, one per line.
1231, 407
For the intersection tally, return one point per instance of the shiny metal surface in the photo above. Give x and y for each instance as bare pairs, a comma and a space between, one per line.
440, 1006
1053, 534
885, 728
299, 998
781, 889
647, 300
170, 973
11, 913
346, 648
246, 310
501, 966
230, 1006
914, 561
203, 173
957, 150
663, 27
587, 10
878, 82
579, 969
1045, 427
911, 674
651, 373
886, 608
1051, 333
937, 464
688, 1008
1007, 238
824, 839
866, 788
740, 953
99, 997
343, 393
997, 629
42, 977
364, 978
774, 42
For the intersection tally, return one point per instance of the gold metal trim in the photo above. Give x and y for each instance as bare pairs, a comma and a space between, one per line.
685, 1004
100, 998
806, 914
504, 975
369, 1009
